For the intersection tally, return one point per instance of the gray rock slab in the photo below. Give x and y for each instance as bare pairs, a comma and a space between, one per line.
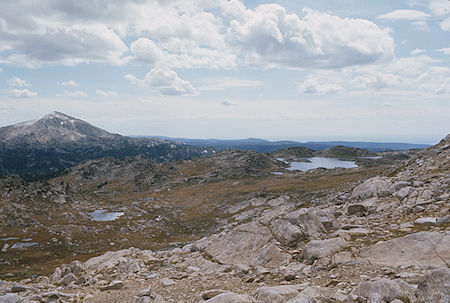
230, 297
11, 298
316, 249
373, 187
435, 287
308, 222
114, 285
286, 233
278, 294
419, 249
249, 243
426, 221
384, 289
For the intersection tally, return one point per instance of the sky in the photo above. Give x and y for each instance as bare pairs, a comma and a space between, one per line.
356, 70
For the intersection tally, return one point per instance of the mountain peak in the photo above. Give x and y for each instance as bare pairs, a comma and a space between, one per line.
59, 115
55, 127
57, 119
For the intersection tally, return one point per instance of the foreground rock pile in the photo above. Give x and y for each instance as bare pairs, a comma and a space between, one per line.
386, 240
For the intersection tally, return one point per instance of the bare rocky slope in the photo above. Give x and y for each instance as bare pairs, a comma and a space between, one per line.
385, 238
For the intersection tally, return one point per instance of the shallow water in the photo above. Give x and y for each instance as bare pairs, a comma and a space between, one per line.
9, 239
104, 215
23, 245
317, 162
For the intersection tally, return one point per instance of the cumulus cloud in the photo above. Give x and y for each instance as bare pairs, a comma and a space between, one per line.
22, 93
73, 94
376, 81
445, 50
132, 79
17, 82
69, 83
102, 93
182, 53
404, 14
439, 7
180, 33
419, 74
225, 83
49, 35
268, 36
68, 45
165, 81
185, 34
445, 25
311, 86
146, 50
436, 80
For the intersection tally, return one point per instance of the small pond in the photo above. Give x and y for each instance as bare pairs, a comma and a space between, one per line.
9, 239
104, 215
23, 245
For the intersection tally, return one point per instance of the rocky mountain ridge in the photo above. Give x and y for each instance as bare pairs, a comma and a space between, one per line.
382, 239
56, 141
265, 146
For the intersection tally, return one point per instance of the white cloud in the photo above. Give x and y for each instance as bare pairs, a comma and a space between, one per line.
180, 34
225, 83
445, 50
17, 82
132, 79
268, 36
311, 86
377, 80
146, 50
436, 80
445, 25
165, 81
418, 75
102, 93
182, 53
67, 45
417, 51
73, 94
50, 34
405, 14
68, 83
439, 7
22, 93
185, 34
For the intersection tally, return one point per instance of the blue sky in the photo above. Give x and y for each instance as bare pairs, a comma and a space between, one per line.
303, 70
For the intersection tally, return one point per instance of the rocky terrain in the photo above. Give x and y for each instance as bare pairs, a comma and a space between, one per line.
56, 141
225, 229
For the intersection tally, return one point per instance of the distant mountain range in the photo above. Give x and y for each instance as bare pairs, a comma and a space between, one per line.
265, 146
56, 141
